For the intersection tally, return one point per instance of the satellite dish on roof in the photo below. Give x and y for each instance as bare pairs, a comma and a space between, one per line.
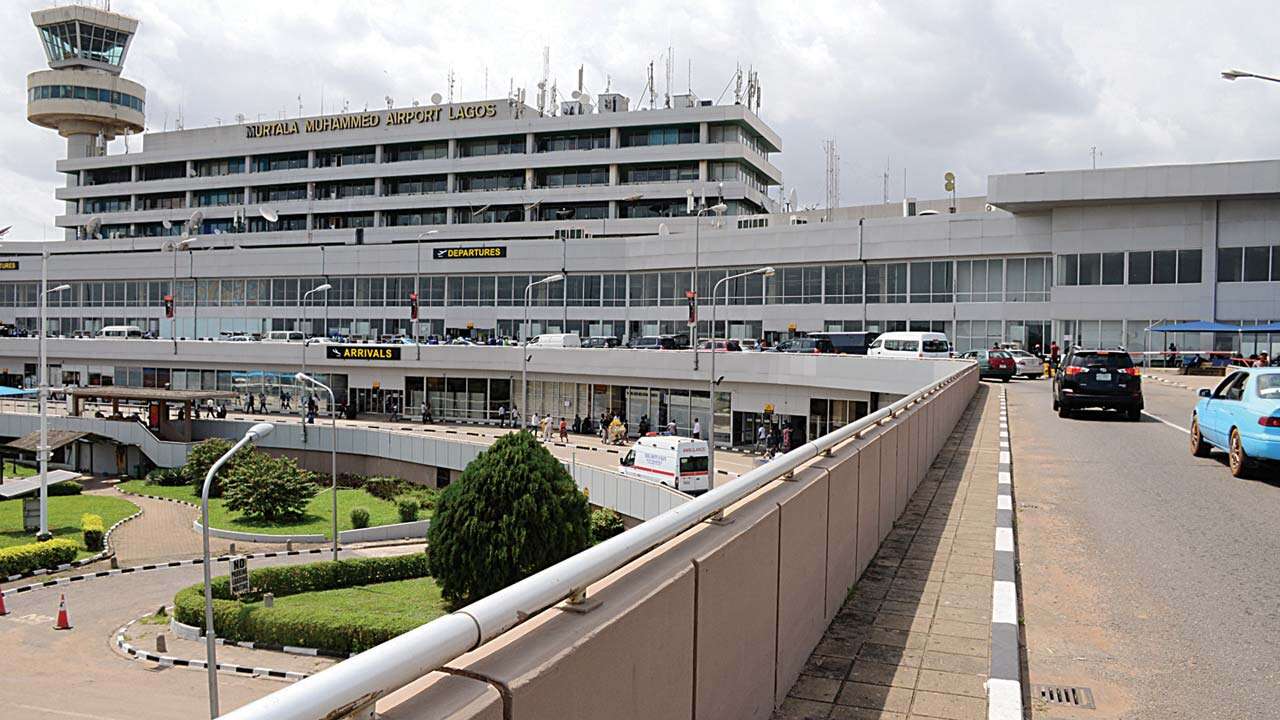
92, 227
576, 95
166, 224
268, 214
436, 98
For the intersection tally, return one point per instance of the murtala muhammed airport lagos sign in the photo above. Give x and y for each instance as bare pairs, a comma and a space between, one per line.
390, 118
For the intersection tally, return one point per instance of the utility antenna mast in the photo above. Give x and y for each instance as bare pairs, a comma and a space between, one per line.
833, 176
737, 86
1093, 155
542, 84
667, 88
653, 89
451, 84
885, 177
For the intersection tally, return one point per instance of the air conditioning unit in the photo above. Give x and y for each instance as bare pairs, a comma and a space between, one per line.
908, 207
614, 102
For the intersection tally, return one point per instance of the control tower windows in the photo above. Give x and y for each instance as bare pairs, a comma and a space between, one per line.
81, 40
671, 135
508, 145
344, 156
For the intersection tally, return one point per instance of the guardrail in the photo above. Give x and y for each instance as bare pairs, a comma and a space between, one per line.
353, 686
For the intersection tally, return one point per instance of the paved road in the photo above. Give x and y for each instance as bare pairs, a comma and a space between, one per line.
76, 674
1148, 575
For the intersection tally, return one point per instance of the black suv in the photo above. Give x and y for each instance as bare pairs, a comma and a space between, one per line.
1097, 379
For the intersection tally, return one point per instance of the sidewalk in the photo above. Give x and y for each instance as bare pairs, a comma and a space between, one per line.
914, 638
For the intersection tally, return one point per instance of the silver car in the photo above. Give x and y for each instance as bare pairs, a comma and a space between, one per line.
1028, 365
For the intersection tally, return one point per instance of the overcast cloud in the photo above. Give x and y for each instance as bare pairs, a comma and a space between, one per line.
973, 87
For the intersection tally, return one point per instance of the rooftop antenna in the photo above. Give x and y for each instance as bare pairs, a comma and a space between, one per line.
299, 105
389, 101
486, 81
666, 90
833, 175
452, 82
555, 100
1093, 155
240, 118
542, 84
608, 82
580, 68
885, 177
690, 87
653, 90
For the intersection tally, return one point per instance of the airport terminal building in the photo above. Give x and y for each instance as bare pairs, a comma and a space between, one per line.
461, 205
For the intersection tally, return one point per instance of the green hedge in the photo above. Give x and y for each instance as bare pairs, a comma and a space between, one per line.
244, 620
22, 559
93, 530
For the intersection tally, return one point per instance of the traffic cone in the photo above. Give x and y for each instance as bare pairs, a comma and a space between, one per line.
63, 623
3, 611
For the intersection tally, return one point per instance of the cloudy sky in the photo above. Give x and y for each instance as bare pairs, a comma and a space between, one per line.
922, 87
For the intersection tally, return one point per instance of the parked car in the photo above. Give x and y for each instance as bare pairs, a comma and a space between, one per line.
911, 344
601, 341
1097, 379
1029, 365
655, 342
998, 364
721, 345
557, 340
1240, 416
849, 343
120, 331
749, 344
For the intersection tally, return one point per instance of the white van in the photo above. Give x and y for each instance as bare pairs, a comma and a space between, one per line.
560, 340
285, 336
120, 331
677, 462
911, 344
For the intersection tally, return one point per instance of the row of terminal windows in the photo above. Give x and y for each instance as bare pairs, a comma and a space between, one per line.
1145, 267
1023, 280
78, 92
400, 152
1256, 263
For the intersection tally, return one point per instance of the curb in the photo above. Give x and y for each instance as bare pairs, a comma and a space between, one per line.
1159, 379
168, 661
1004, 688
107, 552
155, 566
191, 632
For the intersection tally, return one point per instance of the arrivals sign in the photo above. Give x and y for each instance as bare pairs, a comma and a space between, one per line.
469, 253
361, 352
8, 264
389, 118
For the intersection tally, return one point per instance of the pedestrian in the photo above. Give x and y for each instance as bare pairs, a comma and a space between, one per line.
533, 421
762, 437
248, 403
604, 427
771, 443
564, 431
195, 411
697, 428
502, 416
577, 423
425, 412
775, 439
671, 427
1054, 353
786, 440
262, 401
644, 425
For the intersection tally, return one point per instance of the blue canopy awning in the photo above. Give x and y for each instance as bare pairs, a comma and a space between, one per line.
1198, 326
7, 391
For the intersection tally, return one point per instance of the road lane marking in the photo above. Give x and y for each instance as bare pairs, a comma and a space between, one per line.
1166, 422
1004, 539
1004, 688
1004, 602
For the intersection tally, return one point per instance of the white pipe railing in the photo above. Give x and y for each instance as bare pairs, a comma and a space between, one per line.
356, 683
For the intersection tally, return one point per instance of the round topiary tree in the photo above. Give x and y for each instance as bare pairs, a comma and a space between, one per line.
270, 488
514, 511
203, 455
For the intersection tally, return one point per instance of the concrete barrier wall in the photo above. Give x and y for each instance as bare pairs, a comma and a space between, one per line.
718, 622
396, 531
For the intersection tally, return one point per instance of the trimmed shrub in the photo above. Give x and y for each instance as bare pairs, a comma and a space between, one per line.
22, 559
514, 511
236, 620
261, 486
68, 487
427, 497
167, 477
408, 508
359, 518
384, 488
605, 523
93, 529
204, 455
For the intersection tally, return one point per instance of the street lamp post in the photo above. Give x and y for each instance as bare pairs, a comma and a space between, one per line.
524, 341
43, 449
1234, 75
173, 247
256, 432
766, 271
302, 317
417, 288
718, 208
333, 450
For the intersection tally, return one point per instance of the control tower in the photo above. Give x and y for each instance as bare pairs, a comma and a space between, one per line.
82, 95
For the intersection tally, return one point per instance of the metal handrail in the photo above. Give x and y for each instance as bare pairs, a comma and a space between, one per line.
359, 681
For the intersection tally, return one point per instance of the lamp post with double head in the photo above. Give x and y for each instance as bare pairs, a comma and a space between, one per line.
302, 318
766, 271
333, 450
1234, 75
174, 246
43, 449
257, 432
417, 287
524, 341
718, 209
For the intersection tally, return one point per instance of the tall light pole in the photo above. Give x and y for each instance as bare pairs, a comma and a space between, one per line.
256, 432
333, 451
1237, 74
766, 271
524, 341
174, 246
417, 288
302, 317
43, 449
718, 208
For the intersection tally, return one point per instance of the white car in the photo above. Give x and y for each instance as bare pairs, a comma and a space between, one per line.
1028, 365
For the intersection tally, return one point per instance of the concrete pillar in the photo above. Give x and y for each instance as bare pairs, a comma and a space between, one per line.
614, 174
704, 132
377, 154
528, 178
311, 158
530, 144
702, 170
453, 148
615, 138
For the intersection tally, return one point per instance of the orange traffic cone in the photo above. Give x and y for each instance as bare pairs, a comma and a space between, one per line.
3, 611
63, 623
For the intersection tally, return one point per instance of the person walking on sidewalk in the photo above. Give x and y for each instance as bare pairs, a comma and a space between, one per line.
697, 428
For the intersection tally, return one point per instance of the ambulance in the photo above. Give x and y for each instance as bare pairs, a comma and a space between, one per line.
674, 461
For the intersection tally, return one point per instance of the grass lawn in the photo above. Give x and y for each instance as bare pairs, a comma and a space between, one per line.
18, 471
64, 518
402, 605
316, 520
